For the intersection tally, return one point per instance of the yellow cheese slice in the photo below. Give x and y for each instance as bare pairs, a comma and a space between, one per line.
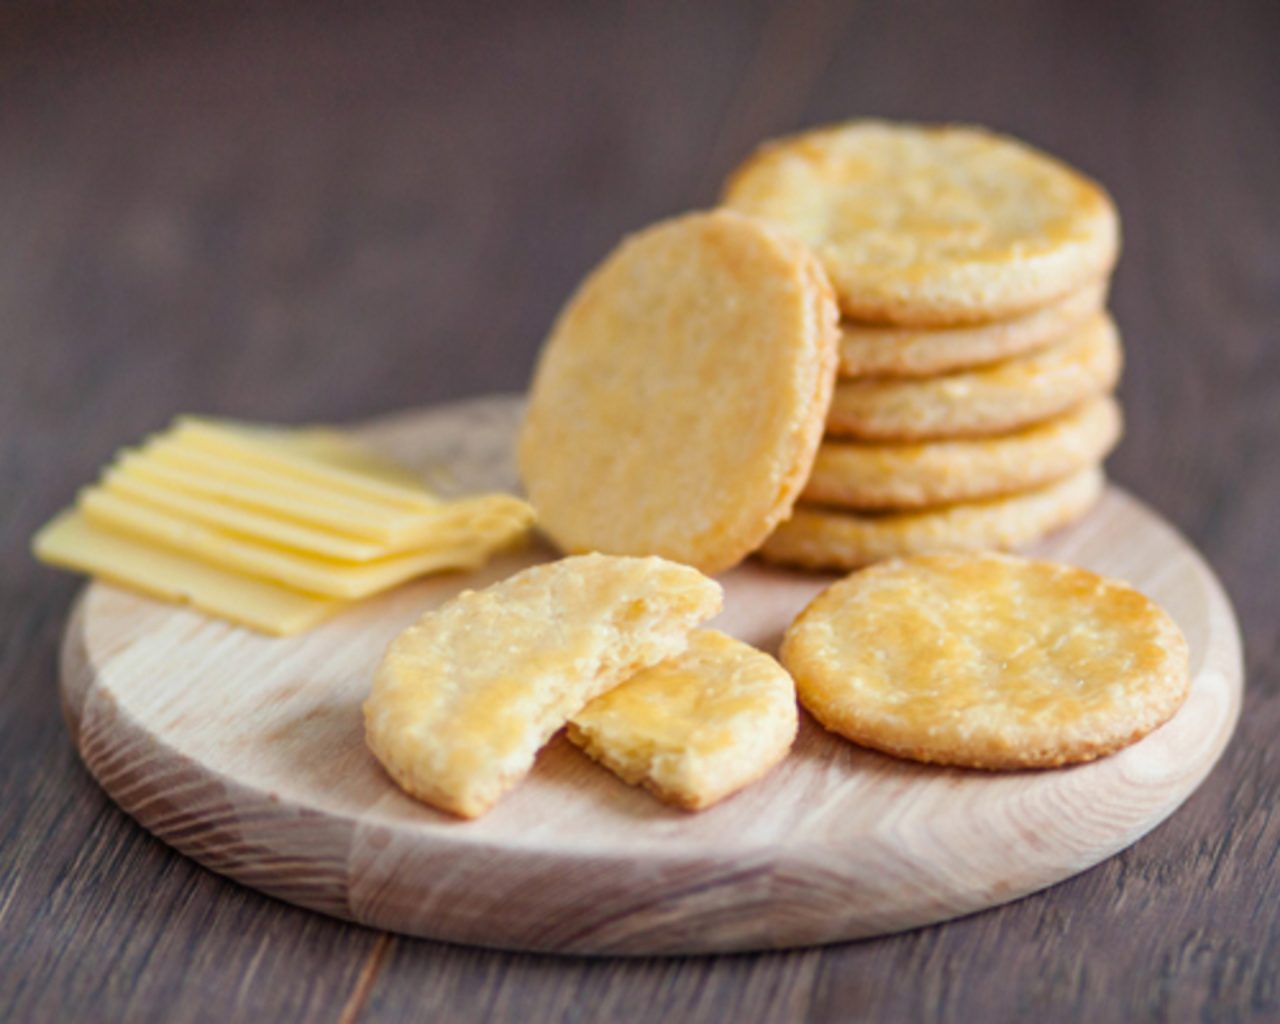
283, 452
454, 523
444, 523
301, 572
73, 542
269, 527
243, 522
173, 451
342, 517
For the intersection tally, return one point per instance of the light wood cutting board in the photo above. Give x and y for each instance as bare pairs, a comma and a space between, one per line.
246, 753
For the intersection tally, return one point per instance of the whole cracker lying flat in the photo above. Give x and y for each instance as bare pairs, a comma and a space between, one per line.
989, 400
697, 727
681, 396
824, 538
932, 225
466, 697
880, 350
987, 661
872, 475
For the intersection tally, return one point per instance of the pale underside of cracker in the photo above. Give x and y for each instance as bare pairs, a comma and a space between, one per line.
932, 225
679, 402
697, 727
466, 697
824, 538
987, 661
990, 400
918, 474
880, 350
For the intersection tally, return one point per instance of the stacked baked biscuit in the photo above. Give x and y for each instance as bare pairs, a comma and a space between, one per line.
972, 408
890, 339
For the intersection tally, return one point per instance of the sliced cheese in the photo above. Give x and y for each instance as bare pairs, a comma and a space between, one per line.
324, 577
269, 527
172, 451
453, 523
280, 501
73, 542
243, 522
445, 523
280, 452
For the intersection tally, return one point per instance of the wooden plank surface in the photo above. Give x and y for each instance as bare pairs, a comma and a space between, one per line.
328, 211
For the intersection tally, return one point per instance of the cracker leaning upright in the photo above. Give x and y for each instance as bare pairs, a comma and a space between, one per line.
932, 226
679, 402
465, 698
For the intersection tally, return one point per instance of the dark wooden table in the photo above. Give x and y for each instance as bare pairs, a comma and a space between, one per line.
325, 212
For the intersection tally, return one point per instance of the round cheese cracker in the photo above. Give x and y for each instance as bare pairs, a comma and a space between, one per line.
824, 538
870, 475
878, 350
697, 727
932, 225
990, 400
987, 661
680, 400
467, 696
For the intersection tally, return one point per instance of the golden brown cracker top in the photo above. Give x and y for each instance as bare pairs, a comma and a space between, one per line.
987, 660
932, 225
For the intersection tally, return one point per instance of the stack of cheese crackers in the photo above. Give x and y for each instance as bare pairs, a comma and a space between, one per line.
975, 353
891, 339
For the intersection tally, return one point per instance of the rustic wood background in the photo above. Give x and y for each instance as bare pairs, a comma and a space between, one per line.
322, 211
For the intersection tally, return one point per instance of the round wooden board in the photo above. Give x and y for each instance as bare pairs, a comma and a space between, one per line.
246, 753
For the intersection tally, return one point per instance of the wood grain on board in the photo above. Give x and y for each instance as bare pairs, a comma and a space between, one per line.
324, 211
247, 753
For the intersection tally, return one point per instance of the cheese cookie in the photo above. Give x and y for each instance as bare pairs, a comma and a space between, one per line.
696, 727
466, 697
918, 474
881, 350
822, 538
989, 400
680, 399
987, 661
932, 225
